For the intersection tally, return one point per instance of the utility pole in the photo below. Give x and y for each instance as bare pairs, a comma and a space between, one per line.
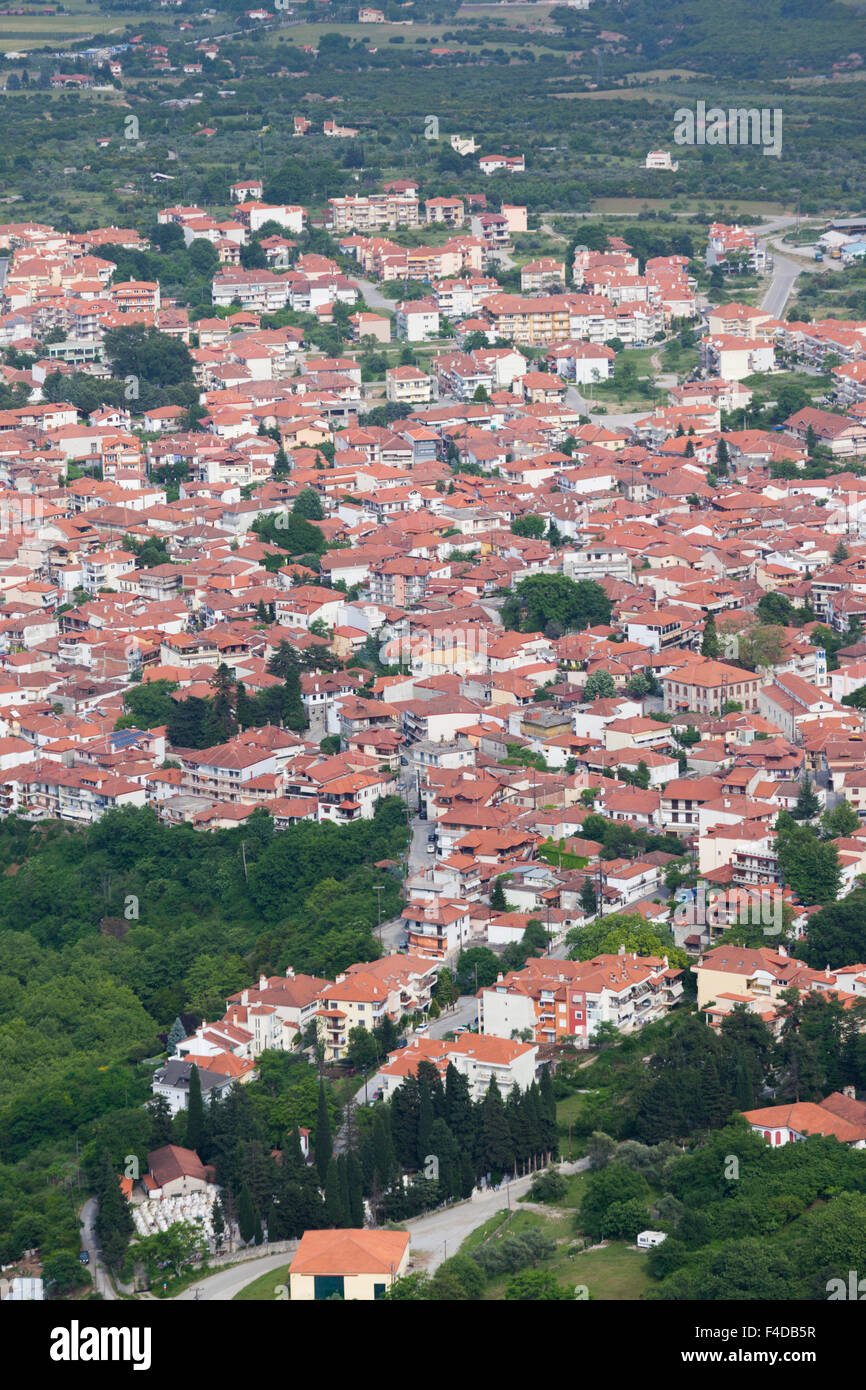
378, 889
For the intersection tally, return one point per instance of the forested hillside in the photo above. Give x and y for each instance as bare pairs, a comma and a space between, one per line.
87, 988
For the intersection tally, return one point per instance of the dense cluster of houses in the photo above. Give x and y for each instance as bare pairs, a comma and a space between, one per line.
426, 525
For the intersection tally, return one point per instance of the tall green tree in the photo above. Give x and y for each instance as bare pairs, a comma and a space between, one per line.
322, 1144
248, 1221
195, 1110
494, 1136
114, 1224
808, 805
333, 1195
497, 896
710, 639
355, 1213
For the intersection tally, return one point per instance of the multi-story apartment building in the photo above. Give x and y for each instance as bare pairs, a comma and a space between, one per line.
378, 211
75, 793
532, 322
551, 999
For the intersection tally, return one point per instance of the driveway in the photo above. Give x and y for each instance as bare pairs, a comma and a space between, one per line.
373, 296
98, 1273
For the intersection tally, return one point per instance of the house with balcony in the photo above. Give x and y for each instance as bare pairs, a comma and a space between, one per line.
355, 1000
553, 999
293, 999
436, 928
480, 1059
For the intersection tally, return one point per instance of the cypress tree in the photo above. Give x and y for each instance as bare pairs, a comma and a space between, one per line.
710, 640
114, 1224
195, 1111
529, 1109
460, 1113
444, 1146
659, 1112
247, 1218
343, 1175
295, 713
160, 1122
497, 897
495, 1139
547, 1113
716, 1104
333, 1196
405, 1109
521, 1139
467, 1173
384, 1158
744, 1090
356, 1192
218, 1220
425, 1120
808, 804
176, 1034
323, 1147
367, 1161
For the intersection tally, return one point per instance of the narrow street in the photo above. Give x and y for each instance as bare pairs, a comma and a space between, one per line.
98, 1273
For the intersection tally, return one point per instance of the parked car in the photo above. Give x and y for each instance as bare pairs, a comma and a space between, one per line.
84, 1257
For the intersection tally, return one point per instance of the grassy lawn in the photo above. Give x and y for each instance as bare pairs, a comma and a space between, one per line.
612, 1273
482, 1233
676, 358
567, 1112
632, 386
817, 386
262, 1290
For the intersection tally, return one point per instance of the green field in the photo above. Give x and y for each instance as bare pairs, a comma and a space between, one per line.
25, 32
611, 1272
